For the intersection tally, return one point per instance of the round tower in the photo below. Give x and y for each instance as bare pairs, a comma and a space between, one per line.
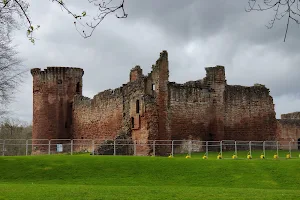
53, 92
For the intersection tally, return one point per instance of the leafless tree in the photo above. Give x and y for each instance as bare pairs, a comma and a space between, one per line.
10, 71
12, 125
283, 9
85, 23
10, 64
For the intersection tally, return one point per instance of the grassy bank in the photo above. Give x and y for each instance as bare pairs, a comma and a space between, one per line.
109, 177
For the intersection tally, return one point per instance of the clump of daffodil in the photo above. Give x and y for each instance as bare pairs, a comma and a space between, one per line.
234, 156
187, 156
219, 156
275, 156
170, 156
204, 157
262, 156
249, 156
288, 156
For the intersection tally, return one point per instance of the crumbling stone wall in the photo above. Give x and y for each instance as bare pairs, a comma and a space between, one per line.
288, 129
249, 113
53, 92
100, 117
152, 108
189, 112
293, 115
127, 109
196, 107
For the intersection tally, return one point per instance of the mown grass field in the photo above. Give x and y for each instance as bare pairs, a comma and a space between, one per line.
133, 177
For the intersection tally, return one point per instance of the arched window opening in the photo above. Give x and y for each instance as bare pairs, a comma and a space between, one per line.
132, 122
137, 106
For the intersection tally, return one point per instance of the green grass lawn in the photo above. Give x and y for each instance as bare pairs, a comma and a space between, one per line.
130, 177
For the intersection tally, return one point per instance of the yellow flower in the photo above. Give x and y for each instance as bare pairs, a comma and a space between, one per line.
249, 156
262, 156
234, 157
204, 157
188, 156
288, 155
275, 156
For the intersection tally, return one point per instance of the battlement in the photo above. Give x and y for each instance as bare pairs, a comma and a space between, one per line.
216, 68
57, 71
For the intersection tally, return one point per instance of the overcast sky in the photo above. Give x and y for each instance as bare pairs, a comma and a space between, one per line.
196, 34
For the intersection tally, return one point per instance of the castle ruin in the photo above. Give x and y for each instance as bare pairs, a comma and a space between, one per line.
152, 108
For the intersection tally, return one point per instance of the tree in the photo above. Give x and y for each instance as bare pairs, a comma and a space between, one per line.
12, 127
289, 9
85, 29
10, 64
15, 132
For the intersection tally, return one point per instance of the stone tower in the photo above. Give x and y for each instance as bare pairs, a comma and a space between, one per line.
53, 92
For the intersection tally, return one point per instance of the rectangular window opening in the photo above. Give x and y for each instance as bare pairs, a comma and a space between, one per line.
137, 106
132, 122
153, 86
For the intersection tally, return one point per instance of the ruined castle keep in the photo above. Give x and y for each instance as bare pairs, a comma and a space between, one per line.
149, 107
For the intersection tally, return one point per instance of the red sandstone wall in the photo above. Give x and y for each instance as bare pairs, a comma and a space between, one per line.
189, 112
288, 130
148, 127
111, 112
249, 113
53, 92
216, 82
196, 108
98, 118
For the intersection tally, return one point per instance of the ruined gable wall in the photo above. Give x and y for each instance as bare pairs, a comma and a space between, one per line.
160, 75
249, 113
135, 108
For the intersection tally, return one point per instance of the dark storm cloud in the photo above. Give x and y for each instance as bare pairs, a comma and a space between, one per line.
197, 34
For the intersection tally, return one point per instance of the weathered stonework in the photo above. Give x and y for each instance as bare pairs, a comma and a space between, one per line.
289, 129
152, 108
53, 93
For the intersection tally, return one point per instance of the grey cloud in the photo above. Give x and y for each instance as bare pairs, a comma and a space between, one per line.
197, 34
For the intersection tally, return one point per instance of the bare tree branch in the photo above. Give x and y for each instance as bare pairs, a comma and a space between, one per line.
11, 72
281, 8
103, 10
